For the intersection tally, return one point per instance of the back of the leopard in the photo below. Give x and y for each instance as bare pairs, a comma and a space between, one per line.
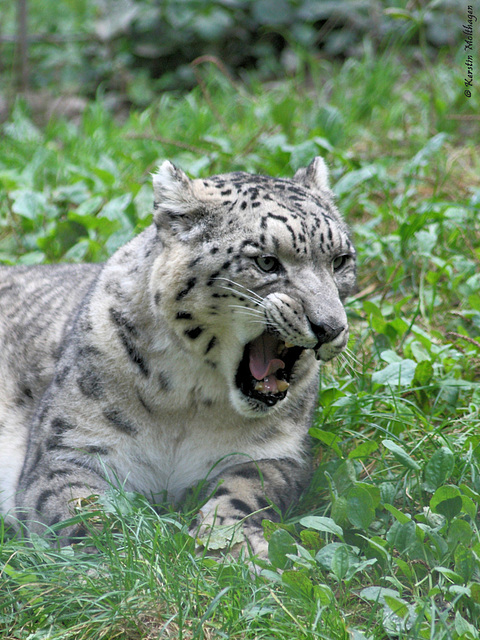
37, 307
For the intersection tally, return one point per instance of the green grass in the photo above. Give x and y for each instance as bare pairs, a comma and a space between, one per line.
385, 542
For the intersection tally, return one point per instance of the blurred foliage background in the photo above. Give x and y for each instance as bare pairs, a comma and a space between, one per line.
132, 49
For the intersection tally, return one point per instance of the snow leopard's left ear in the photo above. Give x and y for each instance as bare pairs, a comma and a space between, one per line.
176, 207
315, 176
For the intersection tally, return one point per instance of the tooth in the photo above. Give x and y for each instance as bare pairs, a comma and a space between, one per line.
260, 386
289, 345
282, 385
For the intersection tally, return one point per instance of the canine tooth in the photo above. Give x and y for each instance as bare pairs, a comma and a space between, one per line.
289, 345
260, 386
282, 385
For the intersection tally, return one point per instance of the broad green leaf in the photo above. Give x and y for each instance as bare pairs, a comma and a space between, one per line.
405, 568
323, 594
324, 557
114, 209
340, 562
475, 592
364, 449
423, 373
89, 207
221, 537
396, 374
32, 205
464, 628
465, 562
401, 455
399, 607
298, 581
360, 509
281, 543
459, 532
401, 517
402, 536
378, 594
451, 575
320, 523
352, 179
469, 507
387, 492
328, 438
391, 357
339, 511
373, 490
438, 469
447, 501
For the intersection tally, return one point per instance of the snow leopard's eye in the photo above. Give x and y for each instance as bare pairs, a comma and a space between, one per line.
269, 264
339, 262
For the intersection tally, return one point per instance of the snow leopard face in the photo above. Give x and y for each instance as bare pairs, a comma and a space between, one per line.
254, 278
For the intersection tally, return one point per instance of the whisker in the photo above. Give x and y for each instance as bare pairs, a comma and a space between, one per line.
253, 311
255, 296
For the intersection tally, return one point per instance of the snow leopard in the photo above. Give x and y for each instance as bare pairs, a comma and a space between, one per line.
192, 354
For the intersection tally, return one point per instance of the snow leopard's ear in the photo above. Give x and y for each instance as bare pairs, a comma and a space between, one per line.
315, 176
176, 207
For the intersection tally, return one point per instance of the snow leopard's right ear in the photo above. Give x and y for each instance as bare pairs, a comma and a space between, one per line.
176, 207
315, 176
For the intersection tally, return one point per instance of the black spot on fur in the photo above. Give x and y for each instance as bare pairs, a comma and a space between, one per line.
120, 422
165, 384
90, 384
25, 395
211, 344
190, 284
143, 402
184, 315
193, 333
121, 321
193, 262
133, 353
43, 498
212, 278
61, 375
241, 506
262, 502
221, 491
96, 450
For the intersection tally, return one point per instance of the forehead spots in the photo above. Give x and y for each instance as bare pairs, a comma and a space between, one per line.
282, 215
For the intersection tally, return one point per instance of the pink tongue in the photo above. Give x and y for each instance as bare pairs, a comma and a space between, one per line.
262, 357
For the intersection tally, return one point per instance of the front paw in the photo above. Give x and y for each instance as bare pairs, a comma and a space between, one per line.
228, 533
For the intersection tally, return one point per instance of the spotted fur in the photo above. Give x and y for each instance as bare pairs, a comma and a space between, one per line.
192, 353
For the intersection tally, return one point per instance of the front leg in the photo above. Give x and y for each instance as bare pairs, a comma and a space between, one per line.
251, 492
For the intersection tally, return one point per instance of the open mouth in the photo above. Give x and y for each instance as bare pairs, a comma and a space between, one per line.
265, 368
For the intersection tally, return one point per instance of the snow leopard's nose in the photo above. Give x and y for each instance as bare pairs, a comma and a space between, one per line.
325, 333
